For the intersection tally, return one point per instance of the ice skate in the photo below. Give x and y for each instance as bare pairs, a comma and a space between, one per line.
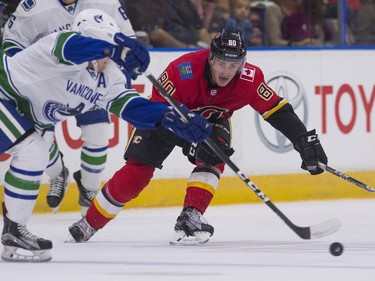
20, 245
191, 228
80, 231
85, 195
58, 186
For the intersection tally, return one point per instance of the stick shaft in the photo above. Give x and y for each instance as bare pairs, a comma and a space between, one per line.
346, 177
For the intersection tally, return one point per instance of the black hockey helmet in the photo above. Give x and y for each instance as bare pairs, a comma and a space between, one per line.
228, 45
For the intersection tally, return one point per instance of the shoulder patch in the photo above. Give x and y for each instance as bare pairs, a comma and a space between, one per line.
186, 70
28, 4
248, 73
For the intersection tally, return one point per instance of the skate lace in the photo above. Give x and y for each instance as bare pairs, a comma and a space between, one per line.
57, 185
25, 232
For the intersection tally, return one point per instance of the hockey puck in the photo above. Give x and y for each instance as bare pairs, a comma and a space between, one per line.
336, 249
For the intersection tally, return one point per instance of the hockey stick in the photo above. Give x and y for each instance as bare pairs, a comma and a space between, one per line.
346, 177
316, 231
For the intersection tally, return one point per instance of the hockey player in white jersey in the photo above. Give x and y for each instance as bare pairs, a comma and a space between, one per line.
76, 70
32, 20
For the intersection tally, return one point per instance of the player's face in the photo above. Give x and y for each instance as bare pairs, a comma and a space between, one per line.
68, 2
222, 72
241, 9
101, 63
98, 65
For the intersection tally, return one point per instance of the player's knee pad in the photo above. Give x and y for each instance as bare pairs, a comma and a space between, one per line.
95, 135
31, 154
130, 180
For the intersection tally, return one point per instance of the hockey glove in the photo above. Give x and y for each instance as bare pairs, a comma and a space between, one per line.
126, 58
207, 156
136, 47
196, 130
311, 151
203, 152
131, 64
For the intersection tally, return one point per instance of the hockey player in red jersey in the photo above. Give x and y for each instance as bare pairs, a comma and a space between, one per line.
214, 83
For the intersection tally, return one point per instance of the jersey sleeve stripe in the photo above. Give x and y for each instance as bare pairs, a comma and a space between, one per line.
268, 113
58, 50
117, 105
12, 47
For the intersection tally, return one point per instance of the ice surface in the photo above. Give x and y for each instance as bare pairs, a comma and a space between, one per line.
250, 243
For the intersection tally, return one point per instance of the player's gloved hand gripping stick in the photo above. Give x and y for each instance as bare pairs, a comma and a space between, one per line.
132, 57
311, 232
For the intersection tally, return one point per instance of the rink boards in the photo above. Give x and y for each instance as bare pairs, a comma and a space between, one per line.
332, 91
231, 190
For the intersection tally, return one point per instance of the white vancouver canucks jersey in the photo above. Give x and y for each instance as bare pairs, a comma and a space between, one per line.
34, 19
49, 89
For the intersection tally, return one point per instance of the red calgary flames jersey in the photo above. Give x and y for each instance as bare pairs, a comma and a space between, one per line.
185, 79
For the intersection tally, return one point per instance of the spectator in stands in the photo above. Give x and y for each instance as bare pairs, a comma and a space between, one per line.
240, 21
257, 18
331, 17
7, 7
169, 23
220, 15
364, 24
11, 5
205, 10
306, 23
275, 16
139, 13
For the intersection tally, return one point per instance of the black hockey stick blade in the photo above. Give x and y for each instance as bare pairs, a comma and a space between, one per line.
346, 177
312, 232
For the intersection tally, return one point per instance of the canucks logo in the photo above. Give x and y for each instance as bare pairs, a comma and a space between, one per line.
98, 18
186, 70
56, 112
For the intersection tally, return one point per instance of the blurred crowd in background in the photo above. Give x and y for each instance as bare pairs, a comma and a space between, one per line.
263, 23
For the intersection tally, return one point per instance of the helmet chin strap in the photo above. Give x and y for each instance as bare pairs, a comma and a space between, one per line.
95, 66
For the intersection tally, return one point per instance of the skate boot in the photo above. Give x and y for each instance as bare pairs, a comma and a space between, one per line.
85, 195
80, 231
57, 189
20, 245
191, 228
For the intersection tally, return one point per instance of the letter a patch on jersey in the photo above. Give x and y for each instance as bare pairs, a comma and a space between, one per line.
248, 73
186, 70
